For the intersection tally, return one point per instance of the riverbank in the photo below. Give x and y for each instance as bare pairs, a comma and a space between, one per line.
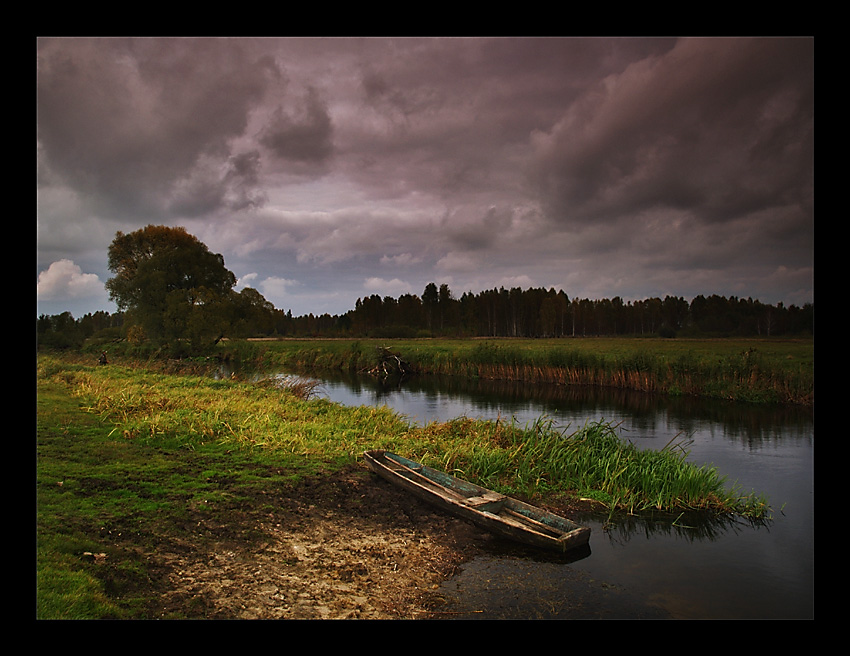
165, 495
128, 529
763, 371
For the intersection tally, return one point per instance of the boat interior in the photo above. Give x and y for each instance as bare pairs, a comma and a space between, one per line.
485, 501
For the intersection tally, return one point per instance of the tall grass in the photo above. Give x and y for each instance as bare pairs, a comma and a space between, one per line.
150, 407
593, 462
302, 388
751, 371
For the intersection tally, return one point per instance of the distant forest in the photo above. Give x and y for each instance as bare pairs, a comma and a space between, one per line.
494, 313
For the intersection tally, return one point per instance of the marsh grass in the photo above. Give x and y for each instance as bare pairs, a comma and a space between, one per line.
124, 448
755, 371
594, 462
289, 420
298, 386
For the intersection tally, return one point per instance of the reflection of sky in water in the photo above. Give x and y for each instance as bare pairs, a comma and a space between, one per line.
426, 407
760, 449
741, 573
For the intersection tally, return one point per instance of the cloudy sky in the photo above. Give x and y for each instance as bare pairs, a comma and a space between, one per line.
325, 170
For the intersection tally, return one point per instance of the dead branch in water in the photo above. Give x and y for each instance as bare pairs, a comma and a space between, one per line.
390, 364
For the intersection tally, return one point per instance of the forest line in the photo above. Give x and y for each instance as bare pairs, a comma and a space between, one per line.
533, 312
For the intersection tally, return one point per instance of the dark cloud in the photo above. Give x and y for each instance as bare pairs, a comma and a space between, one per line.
145, 126
305, 137
691, 130
323, 168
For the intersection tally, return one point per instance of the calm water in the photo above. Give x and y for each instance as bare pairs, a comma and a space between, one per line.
639, 568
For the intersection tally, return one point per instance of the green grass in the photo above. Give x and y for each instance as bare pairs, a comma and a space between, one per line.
127, 453
593, 462
234, 419
769, 371
108, 491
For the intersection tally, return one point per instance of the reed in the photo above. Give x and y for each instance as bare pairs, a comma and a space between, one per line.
753, 371
594, 462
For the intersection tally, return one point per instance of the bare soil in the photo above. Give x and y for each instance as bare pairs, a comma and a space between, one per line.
343, 546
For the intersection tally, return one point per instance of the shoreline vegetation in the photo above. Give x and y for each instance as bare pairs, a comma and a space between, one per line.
169, 414
771, 371
145, 402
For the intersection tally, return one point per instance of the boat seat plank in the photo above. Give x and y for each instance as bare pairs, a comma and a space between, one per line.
488, 498
519, 518
421, 478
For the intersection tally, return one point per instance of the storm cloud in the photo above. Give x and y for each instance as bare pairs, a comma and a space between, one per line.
327, 169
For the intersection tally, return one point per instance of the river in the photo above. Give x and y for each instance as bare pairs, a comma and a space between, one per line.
723, 571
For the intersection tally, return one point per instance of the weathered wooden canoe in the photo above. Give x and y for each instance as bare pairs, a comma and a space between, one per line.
491, 511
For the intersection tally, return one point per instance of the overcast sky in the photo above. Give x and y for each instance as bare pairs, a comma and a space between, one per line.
325, 170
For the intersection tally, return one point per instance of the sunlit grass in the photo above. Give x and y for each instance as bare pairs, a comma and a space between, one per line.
593, 462
151, 407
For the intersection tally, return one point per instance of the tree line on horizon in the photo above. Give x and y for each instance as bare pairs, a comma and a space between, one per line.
172, 291
515, 312
538, 312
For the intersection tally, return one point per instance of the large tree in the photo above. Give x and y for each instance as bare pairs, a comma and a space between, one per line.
170, 285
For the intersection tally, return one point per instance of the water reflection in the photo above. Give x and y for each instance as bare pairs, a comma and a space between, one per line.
689, 526
755, 425
647, 415
690, 565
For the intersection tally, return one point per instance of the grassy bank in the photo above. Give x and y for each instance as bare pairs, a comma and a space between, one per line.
133, 450
753, 371
149, 408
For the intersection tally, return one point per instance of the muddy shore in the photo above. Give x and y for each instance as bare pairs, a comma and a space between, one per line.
343, 546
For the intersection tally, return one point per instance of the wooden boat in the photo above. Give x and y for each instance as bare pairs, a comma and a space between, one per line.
491, 511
